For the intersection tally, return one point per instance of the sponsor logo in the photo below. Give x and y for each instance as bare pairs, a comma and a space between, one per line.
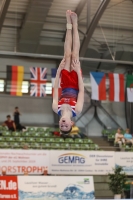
8, 187
71, 158
5, 185
86, 180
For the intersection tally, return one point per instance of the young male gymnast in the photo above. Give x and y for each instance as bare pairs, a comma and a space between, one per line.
71, 101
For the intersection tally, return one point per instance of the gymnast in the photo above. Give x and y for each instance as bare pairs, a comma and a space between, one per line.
69, 77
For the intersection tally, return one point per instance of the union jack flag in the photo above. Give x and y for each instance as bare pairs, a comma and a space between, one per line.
38, 81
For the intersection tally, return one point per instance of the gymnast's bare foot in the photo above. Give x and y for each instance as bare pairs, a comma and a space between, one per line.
68, 16
74, 18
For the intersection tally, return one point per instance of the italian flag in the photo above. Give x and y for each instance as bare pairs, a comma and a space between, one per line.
130, 88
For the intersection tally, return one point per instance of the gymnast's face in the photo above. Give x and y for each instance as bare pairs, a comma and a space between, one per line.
65, 124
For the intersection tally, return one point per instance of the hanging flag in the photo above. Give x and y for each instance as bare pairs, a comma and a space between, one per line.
15, 75
116, 87
38, 81
129, 84
53, 75
98, 85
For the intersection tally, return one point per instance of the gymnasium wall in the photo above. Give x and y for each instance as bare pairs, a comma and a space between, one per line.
26, 63
116, 110
34, 110
38, 111
93, 127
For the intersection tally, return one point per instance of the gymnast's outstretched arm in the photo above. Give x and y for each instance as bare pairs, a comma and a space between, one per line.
80, 101
56, 86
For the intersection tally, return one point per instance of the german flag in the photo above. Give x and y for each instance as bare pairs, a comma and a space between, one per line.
15, 76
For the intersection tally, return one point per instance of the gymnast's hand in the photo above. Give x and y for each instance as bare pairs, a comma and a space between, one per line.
61, 66
76, 66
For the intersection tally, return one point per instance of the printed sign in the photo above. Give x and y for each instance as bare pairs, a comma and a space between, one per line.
55, 188
81, 162
8, 187
20, 161
125, 160
46, 188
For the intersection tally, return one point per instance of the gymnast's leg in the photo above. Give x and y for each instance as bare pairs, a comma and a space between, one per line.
68, 41
76, 41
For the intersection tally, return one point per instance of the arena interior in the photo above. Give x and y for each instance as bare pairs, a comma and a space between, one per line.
32, 35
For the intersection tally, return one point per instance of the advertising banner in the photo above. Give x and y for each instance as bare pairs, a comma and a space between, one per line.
81, 162
46, 188
125, 160
8, 187
20, 161
55, 188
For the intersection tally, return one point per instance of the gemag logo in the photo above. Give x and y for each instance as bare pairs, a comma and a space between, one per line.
71, 158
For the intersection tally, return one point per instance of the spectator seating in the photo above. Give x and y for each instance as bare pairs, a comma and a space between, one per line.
109, 134
40, 138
